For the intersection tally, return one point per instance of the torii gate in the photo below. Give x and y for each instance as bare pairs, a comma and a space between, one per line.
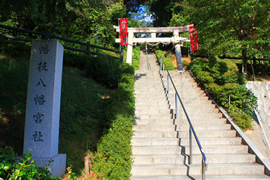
176, 39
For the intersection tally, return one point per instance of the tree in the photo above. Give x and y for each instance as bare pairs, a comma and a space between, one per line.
74, 19
232, 26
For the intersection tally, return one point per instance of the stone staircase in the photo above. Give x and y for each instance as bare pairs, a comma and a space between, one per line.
160, 143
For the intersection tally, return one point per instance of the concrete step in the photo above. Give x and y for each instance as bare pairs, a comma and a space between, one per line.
208, 127
202, 134
191, 100
140, 150
150, 94
199, 177
194, 115
149, 91
150, 107
154, 141
191, 109
195, 105
149, 82
160, 102
154, 121
153, 98
183, 122
158, 134
213, 141
154, 127
213, 169
196, 159
152, 111
217, 149
171, 94
153, 116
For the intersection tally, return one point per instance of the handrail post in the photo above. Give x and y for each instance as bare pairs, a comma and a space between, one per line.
190, 145
203, 169
176, 110
46, 35
88, 48
168, 84
160, 62
163, 69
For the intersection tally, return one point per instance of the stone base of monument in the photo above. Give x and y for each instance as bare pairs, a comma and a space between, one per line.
57, 167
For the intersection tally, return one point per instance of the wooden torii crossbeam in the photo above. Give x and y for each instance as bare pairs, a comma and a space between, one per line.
152, 30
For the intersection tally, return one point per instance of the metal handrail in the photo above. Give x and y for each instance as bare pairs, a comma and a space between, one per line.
191, 129
147, 59
47, 35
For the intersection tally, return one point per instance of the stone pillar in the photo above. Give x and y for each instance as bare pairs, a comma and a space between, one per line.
130, 47
176, 36
41, 134
178, 57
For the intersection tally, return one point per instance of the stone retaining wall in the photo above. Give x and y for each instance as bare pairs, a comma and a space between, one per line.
262, 91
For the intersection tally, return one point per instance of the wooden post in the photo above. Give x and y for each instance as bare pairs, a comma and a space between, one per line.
86, 166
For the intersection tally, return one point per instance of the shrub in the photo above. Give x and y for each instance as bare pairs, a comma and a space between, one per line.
12, 167
222, 79
167, 60
136, 58
105, 70
113, 157
241, 119
185, 63
205, 77
230, 77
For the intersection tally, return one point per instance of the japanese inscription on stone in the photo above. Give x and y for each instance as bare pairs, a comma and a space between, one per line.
40, 99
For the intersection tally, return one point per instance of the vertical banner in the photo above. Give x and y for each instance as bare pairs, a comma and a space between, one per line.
123, 31
194, 44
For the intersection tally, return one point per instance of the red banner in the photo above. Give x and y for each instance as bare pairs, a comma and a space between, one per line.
123, 31
194, 43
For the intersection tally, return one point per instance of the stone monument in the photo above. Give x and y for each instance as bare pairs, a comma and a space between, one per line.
42, 117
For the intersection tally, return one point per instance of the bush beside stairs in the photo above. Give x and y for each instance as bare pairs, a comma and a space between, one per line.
160, 143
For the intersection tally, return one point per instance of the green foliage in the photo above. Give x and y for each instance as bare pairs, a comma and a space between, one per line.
222, 79
242, 120
103, 68
167, 60
185, 63
13, 167
231, 28
136, 58
73, 19
14, 66
113, 157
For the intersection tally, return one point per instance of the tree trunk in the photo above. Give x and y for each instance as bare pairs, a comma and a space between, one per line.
244, 63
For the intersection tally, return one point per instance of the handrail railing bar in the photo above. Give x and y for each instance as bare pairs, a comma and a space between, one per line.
204, 159
190, 144
15, 38
66, 47
147, 59
168, 85
57, 37
176, 112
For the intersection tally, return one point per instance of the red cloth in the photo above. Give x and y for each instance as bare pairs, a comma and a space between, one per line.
194, 43
123, 31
